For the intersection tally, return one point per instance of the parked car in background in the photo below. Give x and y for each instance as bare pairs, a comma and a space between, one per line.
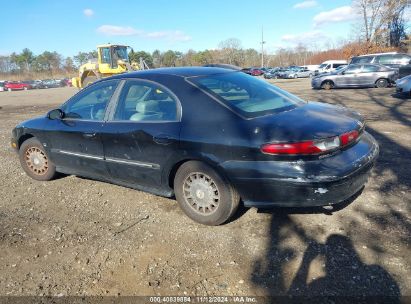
35, 84
404, 85
283, 72
256, 72
404, 70
147, 130
299, 72
392, 60
272, 73
329, 66
51, 83
311, 67
357, 75
15, 86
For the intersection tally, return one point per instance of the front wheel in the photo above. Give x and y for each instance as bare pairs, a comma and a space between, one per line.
381, 83
204, 195
35, 161
327, 85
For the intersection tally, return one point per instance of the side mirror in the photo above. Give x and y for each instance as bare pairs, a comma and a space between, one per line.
55, 114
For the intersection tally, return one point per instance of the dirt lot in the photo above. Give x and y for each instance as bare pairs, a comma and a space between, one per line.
74, 236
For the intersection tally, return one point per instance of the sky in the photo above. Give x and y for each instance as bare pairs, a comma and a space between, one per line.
68, 27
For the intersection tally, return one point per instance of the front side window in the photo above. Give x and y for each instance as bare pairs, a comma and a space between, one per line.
90, 103
246, 95
105, 55
145, 101
352, 69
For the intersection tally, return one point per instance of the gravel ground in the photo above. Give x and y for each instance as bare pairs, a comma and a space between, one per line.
74, 236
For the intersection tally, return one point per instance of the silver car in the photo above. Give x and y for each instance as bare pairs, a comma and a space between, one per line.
404, 85
299, 73
357, 75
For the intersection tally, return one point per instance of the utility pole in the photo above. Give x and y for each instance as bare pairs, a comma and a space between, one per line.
262, 47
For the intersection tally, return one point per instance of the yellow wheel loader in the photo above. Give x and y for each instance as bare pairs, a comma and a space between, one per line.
111, 60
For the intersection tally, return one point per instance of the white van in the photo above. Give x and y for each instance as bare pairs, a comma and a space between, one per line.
330, 65
311, 67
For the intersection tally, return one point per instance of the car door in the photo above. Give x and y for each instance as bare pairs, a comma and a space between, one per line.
369, 74
142, 133
75, 140
349, 76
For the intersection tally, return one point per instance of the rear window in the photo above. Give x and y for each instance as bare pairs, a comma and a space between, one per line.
246, 95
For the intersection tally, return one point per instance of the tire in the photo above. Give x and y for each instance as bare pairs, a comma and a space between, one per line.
35, 161
194, 181
25, 88
9, 89
295, 76
89, 80
310, 75
381, 83
327, 85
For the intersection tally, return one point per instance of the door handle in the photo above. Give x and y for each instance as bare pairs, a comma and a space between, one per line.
89, 135
163, 139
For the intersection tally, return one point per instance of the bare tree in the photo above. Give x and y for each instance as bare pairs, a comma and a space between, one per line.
231, 50
378, 17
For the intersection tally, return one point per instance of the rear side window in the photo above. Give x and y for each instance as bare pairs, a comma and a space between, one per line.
145, 101
246, 95
362, 59
386, 59
371, 68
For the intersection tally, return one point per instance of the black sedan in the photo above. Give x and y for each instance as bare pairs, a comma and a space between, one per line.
211, 137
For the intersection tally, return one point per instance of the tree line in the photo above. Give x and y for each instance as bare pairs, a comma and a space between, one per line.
381, 27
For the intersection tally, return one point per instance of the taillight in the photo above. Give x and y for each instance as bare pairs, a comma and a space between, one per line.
348, 137
311, 147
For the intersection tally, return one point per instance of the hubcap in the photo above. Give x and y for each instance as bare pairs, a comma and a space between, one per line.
36, 161
201, 193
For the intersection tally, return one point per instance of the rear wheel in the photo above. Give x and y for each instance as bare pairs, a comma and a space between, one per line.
204, 195
9, 90
327, 85
381, 83
89, 80
295, 76
35, 161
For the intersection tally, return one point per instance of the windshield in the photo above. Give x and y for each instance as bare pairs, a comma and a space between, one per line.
246, 95
323, 65
121, 52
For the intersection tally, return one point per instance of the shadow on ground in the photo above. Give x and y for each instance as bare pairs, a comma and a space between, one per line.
344, 272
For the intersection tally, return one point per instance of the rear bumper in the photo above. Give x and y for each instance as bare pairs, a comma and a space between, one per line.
305, 183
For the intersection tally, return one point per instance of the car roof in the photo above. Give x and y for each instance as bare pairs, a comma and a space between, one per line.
180, 71
378, 54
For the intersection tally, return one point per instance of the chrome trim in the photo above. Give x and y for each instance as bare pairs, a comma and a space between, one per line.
133, 162
78, 154
109, 159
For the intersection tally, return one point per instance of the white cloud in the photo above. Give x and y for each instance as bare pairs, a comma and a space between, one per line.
339, 14
305, 38
306, 4
88, 12
114, 30
168, 35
